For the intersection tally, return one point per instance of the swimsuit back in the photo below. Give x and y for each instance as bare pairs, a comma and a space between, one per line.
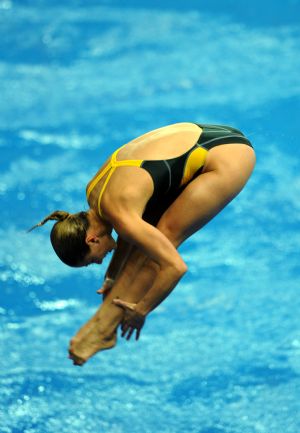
170, 176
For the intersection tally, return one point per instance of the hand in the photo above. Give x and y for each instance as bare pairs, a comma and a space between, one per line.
106, 286
132, 319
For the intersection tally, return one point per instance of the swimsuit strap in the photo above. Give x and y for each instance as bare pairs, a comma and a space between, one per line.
125, 162
103, 172
96, 180
110, 168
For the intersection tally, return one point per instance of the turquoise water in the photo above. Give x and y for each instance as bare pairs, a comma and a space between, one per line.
77, 80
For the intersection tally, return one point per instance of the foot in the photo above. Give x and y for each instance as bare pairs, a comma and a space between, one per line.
99, 333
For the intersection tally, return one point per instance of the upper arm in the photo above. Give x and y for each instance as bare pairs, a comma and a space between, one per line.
149, 239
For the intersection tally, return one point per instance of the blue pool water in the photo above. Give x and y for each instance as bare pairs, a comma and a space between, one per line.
79, 78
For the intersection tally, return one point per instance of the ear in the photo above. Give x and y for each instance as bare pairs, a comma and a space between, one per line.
92, 239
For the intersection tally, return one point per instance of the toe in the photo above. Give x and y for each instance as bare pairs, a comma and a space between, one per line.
77, 360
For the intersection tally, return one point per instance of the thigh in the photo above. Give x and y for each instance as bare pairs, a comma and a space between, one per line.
226, 171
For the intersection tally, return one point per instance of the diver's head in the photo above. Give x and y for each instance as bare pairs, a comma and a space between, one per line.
79, 239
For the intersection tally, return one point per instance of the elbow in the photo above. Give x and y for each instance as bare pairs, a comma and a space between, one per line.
180, 268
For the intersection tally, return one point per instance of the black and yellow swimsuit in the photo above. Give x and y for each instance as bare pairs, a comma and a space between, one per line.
170, 176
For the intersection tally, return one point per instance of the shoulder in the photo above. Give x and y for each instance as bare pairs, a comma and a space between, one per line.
128, 190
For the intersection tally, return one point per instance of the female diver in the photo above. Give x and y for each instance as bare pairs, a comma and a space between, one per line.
155, 192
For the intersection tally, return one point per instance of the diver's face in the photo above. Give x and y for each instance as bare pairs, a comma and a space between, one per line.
99, 248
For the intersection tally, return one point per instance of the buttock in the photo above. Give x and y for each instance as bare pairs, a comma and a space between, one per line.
216, 135
229, 159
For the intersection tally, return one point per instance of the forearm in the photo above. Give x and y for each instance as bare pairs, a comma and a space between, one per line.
157, 247
145, 282
119, 259
158, 283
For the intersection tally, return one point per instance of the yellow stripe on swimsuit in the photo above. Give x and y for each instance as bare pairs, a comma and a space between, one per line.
110, 168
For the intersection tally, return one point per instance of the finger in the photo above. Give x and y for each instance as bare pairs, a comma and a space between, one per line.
103, 289
129, 334
118, 302
124, 330
124, 304
123, 326
121, 303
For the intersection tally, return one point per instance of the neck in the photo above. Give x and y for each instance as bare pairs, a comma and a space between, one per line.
98, 223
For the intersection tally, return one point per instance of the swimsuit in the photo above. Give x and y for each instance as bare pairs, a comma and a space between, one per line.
170, 176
